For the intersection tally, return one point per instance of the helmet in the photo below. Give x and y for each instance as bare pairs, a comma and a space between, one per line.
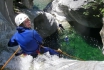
20, 18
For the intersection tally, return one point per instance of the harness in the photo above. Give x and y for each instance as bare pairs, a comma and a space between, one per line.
38, 50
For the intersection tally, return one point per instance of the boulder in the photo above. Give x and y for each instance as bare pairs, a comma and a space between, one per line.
45, 24
6, 31
72, 10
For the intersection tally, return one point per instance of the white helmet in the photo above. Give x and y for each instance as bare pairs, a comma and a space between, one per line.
20, 18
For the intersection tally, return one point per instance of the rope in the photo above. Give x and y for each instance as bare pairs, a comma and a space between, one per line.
71, 56
10, 58
60, 51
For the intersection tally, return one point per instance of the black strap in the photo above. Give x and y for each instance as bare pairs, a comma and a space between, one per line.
35, 38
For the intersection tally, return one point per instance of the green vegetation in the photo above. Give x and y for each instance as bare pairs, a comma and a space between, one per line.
95, 8
79, 48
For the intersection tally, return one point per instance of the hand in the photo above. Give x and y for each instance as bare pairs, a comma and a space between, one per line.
59, 50
41, 46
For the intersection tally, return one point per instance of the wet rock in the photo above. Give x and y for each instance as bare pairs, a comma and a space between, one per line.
72, 10
102, 35
45, 24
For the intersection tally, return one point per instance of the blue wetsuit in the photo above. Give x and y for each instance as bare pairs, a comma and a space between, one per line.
29, 41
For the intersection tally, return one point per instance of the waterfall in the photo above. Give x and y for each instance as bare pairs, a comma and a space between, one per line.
42, 62
51, 62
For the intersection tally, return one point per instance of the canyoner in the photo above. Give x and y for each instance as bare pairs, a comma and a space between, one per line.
31, 43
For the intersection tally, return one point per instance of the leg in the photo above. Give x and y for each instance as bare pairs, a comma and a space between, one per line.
51, 51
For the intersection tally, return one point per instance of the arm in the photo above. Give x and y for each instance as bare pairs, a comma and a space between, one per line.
12, 42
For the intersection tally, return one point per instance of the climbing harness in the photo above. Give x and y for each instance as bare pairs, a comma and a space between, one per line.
10, 58
23, 55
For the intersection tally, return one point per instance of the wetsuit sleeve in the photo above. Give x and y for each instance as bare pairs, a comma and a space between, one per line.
12, 42
38, 37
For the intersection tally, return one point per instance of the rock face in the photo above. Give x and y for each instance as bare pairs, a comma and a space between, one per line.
45, 24
6, 22
102, 35
6, 9
72, 11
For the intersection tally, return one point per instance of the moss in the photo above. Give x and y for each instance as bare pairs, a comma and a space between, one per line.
79, 48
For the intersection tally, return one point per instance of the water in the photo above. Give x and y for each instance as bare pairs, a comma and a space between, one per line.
42, 62
48, 62
41, 4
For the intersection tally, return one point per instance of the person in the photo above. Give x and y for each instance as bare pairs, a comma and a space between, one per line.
29, 40
66, 39
61, 27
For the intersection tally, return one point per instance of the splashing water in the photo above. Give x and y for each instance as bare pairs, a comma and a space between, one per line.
50, 62
42, 62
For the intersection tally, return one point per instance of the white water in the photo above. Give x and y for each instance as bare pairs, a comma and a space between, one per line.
42, 62
48, 62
